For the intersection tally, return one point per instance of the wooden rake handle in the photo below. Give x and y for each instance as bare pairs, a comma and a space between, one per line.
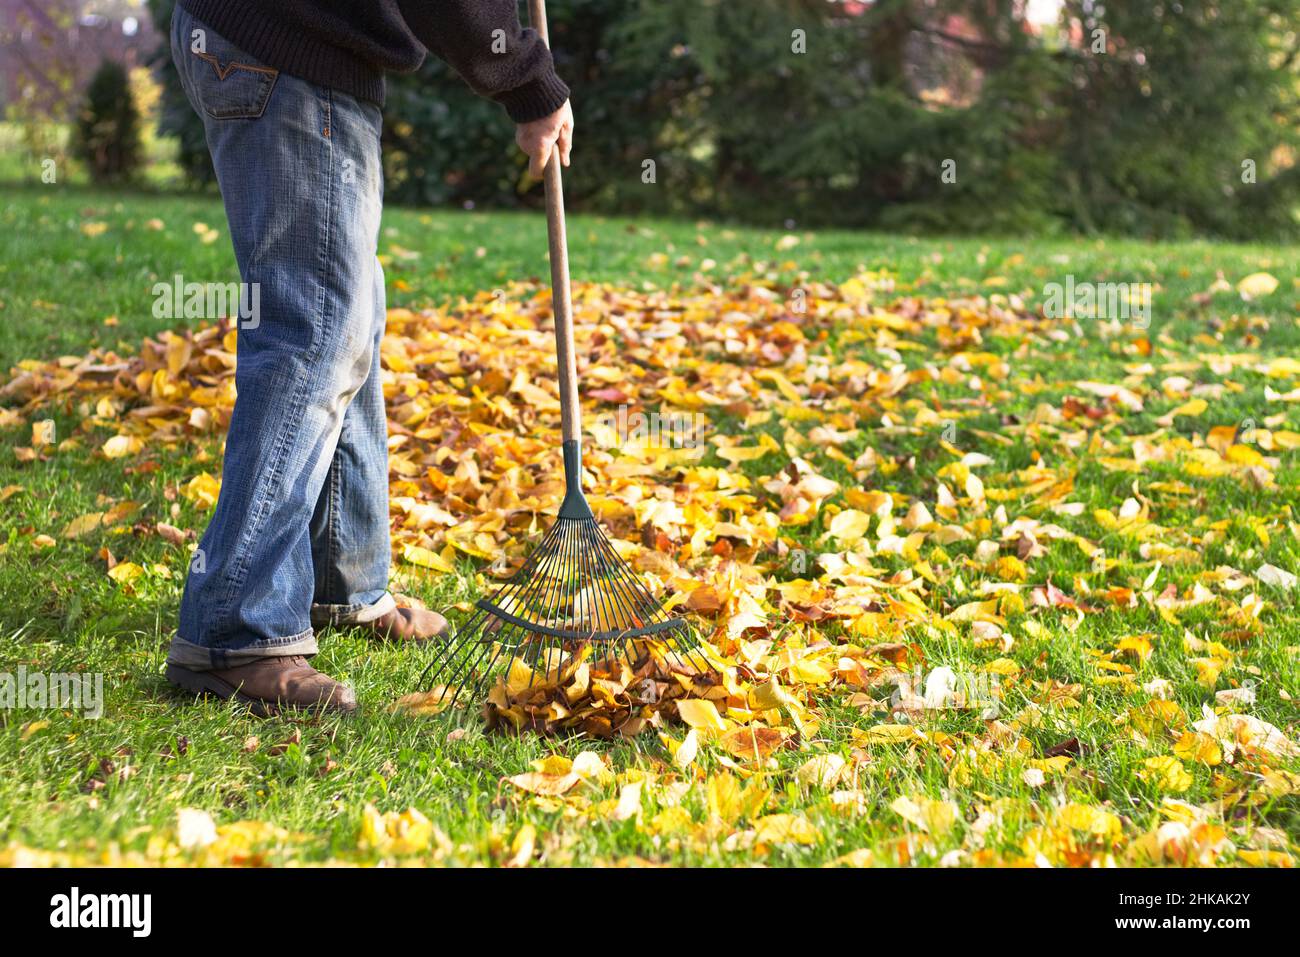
561, 297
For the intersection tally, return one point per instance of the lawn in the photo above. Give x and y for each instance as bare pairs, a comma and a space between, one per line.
1090, 522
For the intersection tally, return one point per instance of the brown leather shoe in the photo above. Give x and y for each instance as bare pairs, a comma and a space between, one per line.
268, 684
407, 624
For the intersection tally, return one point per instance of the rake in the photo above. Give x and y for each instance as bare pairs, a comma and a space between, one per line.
574, 597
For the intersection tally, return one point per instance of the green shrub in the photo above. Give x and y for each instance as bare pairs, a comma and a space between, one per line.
107, 132
1147, 137
1161, 123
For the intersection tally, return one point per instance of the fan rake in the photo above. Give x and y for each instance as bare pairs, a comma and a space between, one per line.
574, 596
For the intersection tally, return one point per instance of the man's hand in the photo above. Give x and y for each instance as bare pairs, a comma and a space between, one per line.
539, 137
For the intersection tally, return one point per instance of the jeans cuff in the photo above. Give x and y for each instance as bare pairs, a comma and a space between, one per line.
358, 614
186, 654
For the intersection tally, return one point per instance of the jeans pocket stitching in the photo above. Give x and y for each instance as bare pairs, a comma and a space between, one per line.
263, 96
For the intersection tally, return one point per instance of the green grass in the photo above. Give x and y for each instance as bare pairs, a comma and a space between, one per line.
57, 286
81, 786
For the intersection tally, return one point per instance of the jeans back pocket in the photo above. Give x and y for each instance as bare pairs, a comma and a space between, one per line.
224, 80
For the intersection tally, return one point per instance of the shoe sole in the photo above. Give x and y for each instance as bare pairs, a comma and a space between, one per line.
206, 684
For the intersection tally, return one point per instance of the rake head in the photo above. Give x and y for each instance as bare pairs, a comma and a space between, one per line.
573, 596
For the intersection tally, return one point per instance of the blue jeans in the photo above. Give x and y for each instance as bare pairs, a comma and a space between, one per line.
300, 532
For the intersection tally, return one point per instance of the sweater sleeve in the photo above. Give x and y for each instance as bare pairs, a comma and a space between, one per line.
512, 67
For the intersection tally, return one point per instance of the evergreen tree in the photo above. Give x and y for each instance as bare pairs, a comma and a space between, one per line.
107, 132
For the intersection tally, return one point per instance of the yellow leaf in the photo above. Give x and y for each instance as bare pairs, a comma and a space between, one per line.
125, 572
849, 525
1265, 858
701, 714
1243, 455
822, 771
426, 558
521, 848
752, 742
861, 857
737, 454
785, 829
179, 351
407, 832
554, 764
723, 794
931, 816
629, 801
873, 502
728, 801
769, 695
683, 753
1246, 733
887, 734
43, 433
973, 610
1091, 820
202, 490
1156, 716
1198, 746
1191, 409
589, 766
810, 671
1139, 645
1208, 670
425, 702
1256, 285
83, 524
551, 785
1001, 666
784, 385
469, 543
1167, 773
120, 446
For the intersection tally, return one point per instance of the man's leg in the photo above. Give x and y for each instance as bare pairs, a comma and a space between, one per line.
298, 167
350, 527
349, 530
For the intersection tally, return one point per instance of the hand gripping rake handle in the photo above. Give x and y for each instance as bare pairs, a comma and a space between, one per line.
575, 505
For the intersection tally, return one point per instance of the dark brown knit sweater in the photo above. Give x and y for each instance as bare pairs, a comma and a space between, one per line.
348, 45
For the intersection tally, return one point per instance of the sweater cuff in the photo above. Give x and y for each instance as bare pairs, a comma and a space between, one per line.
534, 100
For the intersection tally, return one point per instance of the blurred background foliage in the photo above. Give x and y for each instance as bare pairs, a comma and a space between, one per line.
1153, 119
106, 137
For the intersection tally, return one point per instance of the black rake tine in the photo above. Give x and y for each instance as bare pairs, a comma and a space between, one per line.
549, 590
645, 605
615, 600
553, 602
598, 601
459, 672
498, 648
546, 591
628, 645
470, 662
623, 612
448, 652
528, 579
528, 572
532, 662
